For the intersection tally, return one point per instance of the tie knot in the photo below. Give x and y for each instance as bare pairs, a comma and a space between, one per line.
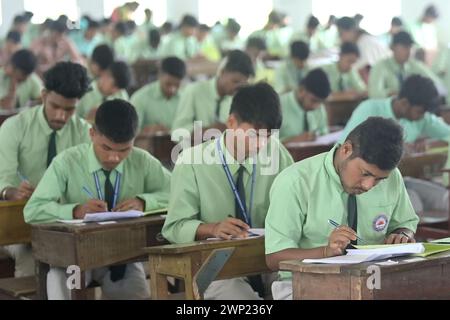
53, 134
106, 173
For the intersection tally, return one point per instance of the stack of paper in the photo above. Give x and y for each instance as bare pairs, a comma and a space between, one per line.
252, 233
372, 253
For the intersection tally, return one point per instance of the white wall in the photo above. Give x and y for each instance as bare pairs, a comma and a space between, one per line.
412, 11
298, 10
9, 10
176, 9
93, 8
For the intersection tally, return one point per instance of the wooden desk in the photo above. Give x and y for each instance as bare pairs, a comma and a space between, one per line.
426, 279
423, 166
340, 111
201, 67
302, 151
13, 229
144, 72
160, 146
183, 262
92, 246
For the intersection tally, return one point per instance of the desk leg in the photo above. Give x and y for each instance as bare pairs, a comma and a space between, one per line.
42, 270
158, 282
81, 294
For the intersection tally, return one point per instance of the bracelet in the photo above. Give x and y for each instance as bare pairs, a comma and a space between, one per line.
325, 252
3, 196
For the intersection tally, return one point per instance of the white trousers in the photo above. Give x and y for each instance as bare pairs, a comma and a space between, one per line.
134, 286
23, 259
282, 290
427, 196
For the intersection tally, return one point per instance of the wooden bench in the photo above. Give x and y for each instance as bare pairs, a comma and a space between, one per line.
92, 246
14, 230
421, 279
160, 146
5, 114
301, 151
340, 111
184, 262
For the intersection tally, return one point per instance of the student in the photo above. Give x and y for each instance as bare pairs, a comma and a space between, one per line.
345, 81
256, 49
19, 85
311, 35
32, 139
396, 27
196, 212
291, 72
209, 101
387, 76
232, 39
426, 32
207, 47
329, 35
157, 103
10, 46
120, 41
119, 176
356, 184
304, 115
413, 110
182, 44
370, 48
102, 58
112, 84
87, 39
54, 46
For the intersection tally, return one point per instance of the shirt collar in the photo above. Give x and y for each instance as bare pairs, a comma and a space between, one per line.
159, 93
232, 162
95, 166
331, 170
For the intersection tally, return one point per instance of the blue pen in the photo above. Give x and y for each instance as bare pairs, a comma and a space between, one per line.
337, 225
86, 190
22, 177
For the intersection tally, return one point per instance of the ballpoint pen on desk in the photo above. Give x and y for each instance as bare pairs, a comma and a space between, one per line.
337, 225
250, 234
22, 177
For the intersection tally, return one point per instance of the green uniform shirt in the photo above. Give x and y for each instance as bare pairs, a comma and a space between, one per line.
288, 76
153, 107
294, 114
349, 81
24, 139
61, 187
94, 98
307, 194
179, 46
200, 193
198, 102
315, 42
26, 91
385, 76
430, 126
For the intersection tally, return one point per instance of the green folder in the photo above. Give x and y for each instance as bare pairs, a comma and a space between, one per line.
432, 248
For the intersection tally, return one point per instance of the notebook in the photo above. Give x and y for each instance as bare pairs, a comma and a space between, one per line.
253, 233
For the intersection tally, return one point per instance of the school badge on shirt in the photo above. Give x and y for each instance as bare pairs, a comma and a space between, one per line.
380, 223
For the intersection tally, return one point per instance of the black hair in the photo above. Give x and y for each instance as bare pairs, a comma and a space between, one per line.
378, 141
167, 27
258, 105
346, 23
189, 21
154, 38
121, 28
257, 43
130, 27
58, 26
25, 61
14, 37
239, 61
19, 19
117, 120
402, 38
103, 56
420, 91
300, 50
121, 73
275, 17
28, 15
397, 22
233, 26
349, 48
92, 24
174, 67
317, 83
204, 28
67, 79
431, 11
313, 23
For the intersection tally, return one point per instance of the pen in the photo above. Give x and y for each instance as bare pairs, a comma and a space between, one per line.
22, 177
250, 234
337, 225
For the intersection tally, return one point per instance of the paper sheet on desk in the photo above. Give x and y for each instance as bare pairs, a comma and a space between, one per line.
327, 139
254, 233
111, 216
